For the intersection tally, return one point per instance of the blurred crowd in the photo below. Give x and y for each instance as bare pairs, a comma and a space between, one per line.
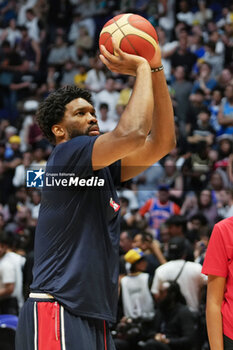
168, 211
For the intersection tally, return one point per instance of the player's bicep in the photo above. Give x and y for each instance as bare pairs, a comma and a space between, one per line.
112, 146
140, 159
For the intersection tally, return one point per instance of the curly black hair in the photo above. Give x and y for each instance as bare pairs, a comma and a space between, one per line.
51, 110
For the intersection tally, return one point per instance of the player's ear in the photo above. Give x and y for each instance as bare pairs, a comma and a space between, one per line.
58, 130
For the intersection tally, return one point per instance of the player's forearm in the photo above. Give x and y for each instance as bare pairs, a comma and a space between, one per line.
214, 326
162, 134
137, 116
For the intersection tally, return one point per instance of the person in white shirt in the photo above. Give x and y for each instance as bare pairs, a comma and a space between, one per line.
136, 297
187, 274
8, 300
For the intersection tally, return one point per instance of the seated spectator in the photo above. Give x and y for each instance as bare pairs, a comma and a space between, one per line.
124, 96
19, 178
184, 14
214, 59
173, 179
159, 209
214, 106
8, 300
151, 249
177, 227
225, 115
197, 167
137, 301
174, 324
204, 80
11, 33
203, 14
69, 72
182, 56
84, 39
106, 123
58, 54
186, 273
126, 242
96, 78
29, 48
147, 182
168, 48
224, 148
136, 296
110, 96
78, 55
181, 90
206, 207
202, 131
197, 104
81, 76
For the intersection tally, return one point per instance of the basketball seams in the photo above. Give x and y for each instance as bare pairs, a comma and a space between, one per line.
125, 29
124, 36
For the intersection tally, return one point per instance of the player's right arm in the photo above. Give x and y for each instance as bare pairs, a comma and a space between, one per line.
135, 122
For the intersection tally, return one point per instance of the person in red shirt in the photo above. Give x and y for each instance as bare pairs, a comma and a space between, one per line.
219, 268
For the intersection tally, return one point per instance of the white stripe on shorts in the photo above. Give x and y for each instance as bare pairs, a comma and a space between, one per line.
35, 325
62, 329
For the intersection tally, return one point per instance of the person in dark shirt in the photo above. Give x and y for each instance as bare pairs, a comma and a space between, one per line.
174, 326
75, 277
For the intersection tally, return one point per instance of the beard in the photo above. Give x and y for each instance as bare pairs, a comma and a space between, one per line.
75, 132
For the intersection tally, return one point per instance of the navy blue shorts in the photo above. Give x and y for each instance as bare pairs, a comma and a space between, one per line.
44, 324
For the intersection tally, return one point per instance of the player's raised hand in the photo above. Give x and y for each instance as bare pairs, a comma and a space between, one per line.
121, 62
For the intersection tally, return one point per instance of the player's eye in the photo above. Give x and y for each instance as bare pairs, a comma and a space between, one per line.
80, 113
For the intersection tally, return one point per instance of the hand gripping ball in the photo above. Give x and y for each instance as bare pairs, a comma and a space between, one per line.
133, 33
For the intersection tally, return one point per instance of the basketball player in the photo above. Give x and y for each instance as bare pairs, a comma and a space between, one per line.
74, 290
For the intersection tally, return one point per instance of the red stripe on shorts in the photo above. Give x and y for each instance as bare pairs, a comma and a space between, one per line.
48, 326
105, 337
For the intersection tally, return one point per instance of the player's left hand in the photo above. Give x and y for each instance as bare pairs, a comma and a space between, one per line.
121, 62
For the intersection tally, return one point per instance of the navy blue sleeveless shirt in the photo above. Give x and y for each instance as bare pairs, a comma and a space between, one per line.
77, 235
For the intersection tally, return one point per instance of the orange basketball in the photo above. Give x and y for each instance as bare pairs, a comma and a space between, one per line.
133, 33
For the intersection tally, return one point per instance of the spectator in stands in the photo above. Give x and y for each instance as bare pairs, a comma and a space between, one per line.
189, 274
8, 300
59, 53
202, 131
225, 115
96, 78
151, 249
177, 227
173, 179
182, 56
181, 90
69, 72
184, 14
110, 95
159, 209
126, 241
204, 80
105, 122
206, 207
174, 324
136, 296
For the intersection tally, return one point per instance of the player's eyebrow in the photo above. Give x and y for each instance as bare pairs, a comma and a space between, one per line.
84, 109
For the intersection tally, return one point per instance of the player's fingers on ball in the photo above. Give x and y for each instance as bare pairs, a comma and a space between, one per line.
107, 54
104, 60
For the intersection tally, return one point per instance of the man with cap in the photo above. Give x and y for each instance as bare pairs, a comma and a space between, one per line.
137, 301
186, 273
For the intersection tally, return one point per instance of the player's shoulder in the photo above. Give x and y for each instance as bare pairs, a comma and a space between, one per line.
228, 222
